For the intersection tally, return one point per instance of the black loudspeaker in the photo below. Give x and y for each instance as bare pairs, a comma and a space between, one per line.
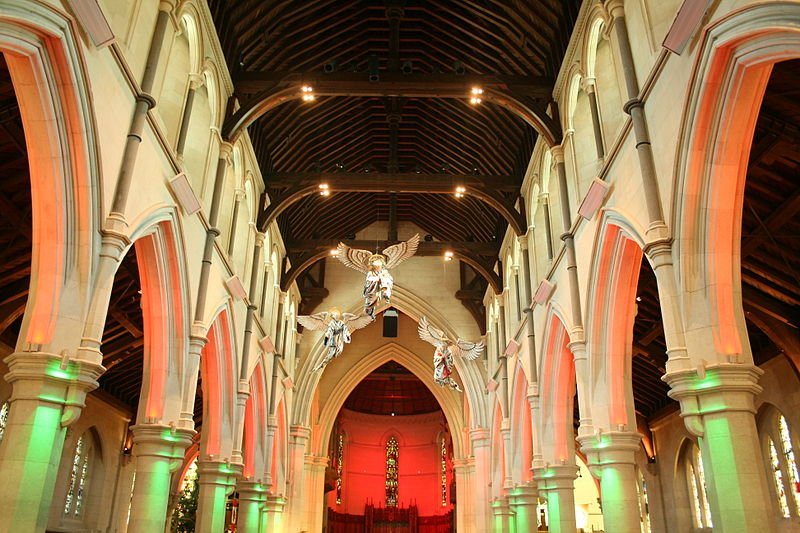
390, 323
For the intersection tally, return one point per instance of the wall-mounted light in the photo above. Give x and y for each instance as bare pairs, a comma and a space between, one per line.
448, 255
475, 95
324, 189
334, 252
460, 191
308, 93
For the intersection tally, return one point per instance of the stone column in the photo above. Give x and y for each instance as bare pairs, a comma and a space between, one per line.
48, 395
557, 484
195, 81
216, 480
718, 407
503, 517
252, 496
611, 458
523, 500
464, 470
273, 517
479, 438
315, 487
589, 87
238, 196
298, 442
158, 451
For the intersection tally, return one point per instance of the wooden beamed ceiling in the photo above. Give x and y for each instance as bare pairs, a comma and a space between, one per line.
401, 71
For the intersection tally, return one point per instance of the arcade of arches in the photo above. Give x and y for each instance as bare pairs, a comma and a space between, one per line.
608, 195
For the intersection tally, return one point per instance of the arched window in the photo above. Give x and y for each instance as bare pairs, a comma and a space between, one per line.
79, 477
339, 467
391, 472
644, 504
3, 419
782, 465
443, 467
696, 478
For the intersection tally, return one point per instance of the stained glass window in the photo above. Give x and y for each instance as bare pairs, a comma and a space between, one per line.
777, 475
3, 419
391, 472
791, 464
443, 459
644, 504
78, 478
339, 467
696, 478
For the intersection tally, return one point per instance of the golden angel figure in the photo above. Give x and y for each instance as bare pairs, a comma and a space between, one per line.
338, 328
379, 282
445, 350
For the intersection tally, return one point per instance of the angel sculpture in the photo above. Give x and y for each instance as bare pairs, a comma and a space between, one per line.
379, 282
445, 350
338, 328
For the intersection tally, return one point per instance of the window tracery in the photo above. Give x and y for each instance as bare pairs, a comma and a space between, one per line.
781, 464
443, 465
644, 504
78, 478
695, 476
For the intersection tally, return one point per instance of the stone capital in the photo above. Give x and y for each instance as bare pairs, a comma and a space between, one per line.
612, 448
212, 471
275, 504
160, 440
251, 490
555, 477
479, 436
300, 433
713, 390
522, 495
196, 81
558, 153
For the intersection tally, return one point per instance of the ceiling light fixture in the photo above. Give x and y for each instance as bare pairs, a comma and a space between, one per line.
334, 252
475, 97
324, 190
461, 191
308, 93
448, 255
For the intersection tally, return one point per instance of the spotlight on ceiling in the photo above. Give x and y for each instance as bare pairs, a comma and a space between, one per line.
372, 68
329, 67
459, 68
448, 255
334, 252
460, 191
308, 93
324, 190
407, 67
475, 95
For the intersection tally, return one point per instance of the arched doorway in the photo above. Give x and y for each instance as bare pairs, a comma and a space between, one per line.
391, 457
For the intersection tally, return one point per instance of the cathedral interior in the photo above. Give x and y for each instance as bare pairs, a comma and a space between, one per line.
399, 266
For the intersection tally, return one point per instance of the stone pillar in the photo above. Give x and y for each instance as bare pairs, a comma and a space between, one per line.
48, 394
298, 442
216, 480
197, 340
479, 438
315, 487
158, 451
523, 500
238, 196
195, 81
503, 517
611, 458
464, 471
718, 407
273, 518
252, 496
589, 87
557, 484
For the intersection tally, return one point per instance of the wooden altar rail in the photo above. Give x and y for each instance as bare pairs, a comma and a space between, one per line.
389, 520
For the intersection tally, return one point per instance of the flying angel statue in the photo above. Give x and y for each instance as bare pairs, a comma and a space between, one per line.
338, 328
445, 350
379, 282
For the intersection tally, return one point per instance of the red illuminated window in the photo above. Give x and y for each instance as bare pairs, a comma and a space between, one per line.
391, 472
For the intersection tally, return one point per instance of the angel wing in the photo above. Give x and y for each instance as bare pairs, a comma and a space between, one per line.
429, 333
317, 321
355, 322
468, 350
353, 258
398, 253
